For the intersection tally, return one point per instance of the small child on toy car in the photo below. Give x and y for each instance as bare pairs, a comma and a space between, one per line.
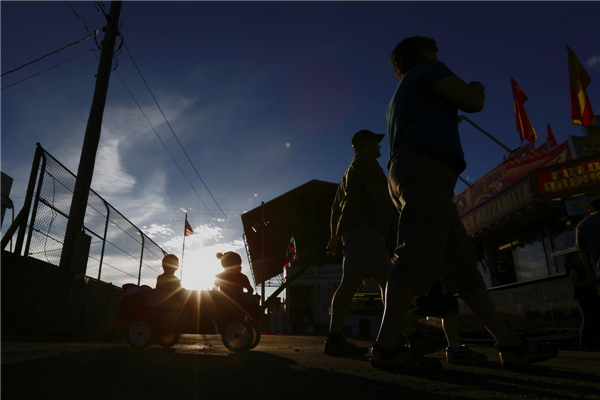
231, 281
168, 282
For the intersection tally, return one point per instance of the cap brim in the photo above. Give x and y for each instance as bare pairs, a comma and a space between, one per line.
379, 137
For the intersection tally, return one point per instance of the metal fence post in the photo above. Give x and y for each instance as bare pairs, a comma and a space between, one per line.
104, 239
141, 257
35, 204
28, 198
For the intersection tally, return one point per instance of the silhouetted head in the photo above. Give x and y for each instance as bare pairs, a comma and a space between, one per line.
230, 260
367, 142
411, 51
170, 263
594, 206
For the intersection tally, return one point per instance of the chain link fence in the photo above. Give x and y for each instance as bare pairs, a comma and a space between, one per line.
119, 251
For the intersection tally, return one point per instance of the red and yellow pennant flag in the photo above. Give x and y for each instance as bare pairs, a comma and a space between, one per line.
522, 120
550, 136
579, 80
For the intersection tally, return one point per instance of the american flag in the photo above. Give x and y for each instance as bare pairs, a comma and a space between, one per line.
188, 229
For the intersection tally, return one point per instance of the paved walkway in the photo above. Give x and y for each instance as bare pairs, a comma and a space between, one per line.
286, 367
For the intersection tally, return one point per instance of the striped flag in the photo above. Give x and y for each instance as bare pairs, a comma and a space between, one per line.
581, 109
524, 126
291, 253
188, 228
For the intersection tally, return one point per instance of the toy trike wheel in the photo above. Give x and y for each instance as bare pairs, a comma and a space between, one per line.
238, 336
168, 340
256, 341
140, 334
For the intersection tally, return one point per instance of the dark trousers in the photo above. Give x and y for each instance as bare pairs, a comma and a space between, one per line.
432, 241
590, 324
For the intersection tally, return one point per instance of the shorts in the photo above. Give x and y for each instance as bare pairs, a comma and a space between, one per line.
365, 253
432, 241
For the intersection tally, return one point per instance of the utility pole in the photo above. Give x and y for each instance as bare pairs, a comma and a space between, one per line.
85, 171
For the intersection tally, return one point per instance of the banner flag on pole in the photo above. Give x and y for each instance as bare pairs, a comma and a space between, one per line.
524, 126
188, 228
290, 255
581, 109
550, 136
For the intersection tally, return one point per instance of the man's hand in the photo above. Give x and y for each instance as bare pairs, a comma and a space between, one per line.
468, 97
332, 245
477, 85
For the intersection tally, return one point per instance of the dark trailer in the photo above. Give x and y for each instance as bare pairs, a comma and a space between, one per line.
522, 216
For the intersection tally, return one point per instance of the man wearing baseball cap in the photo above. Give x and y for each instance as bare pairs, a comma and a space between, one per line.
361, 217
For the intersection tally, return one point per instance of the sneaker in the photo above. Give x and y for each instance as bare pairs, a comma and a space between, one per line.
402, 358
464, 356
343, 347
422, 344
521, 356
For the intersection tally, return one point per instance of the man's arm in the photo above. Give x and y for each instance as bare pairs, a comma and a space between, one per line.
335, 218
574, 275
247, 285
468, 97
587, 262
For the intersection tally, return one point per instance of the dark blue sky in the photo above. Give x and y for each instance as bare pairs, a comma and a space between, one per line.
240, 80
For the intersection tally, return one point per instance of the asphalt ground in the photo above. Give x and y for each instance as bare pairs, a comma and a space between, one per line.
280, 367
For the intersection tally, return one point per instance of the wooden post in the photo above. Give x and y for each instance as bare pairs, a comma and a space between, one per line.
87, 160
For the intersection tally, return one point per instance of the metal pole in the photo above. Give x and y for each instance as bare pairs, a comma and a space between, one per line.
23, 215
104, 241
262, 251
183, 249
487, 134
35, 205
92, 137
141, 258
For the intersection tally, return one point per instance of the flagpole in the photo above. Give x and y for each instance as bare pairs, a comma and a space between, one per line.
505, 147
517, 111
183, 249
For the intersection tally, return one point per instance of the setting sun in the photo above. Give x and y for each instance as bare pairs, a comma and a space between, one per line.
199, 269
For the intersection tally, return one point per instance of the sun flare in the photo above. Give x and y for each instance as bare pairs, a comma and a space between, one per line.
199, 270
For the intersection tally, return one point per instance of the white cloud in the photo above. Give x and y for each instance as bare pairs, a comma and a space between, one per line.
593, 61
156, 229
206, 237
109, 174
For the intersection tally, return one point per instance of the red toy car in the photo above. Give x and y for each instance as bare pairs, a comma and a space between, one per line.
147, 316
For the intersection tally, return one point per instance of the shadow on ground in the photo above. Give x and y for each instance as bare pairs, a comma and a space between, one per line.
157, 373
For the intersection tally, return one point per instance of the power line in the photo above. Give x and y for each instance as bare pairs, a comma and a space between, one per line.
100, 8
47, 69
54, 52
84, 23
182, 148
163, 143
